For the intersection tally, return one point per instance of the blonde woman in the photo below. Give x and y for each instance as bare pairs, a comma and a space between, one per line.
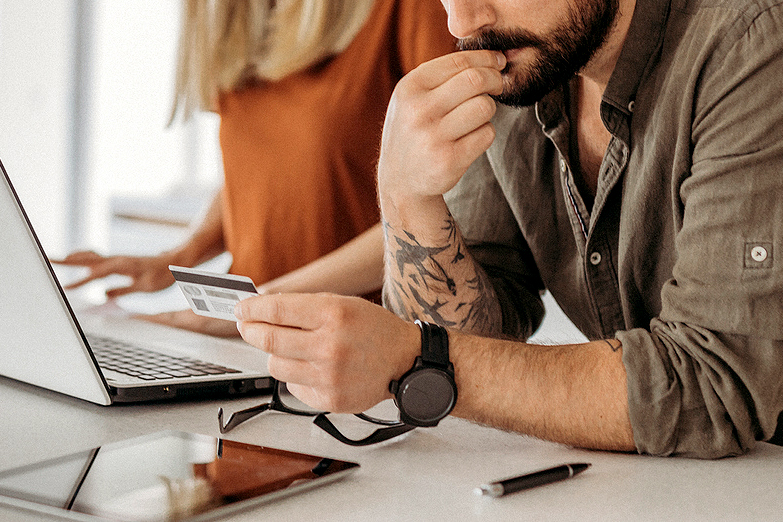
301, 87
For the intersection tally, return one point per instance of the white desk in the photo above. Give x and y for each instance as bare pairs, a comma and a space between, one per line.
427, 475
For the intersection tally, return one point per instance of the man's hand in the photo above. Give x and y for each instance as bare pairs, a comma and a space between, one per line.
339, 354
336, 353
187, 320
437, 124
148, 274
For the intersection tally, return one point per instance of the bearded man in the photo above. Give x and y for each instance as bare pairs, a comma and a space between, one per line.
634, 169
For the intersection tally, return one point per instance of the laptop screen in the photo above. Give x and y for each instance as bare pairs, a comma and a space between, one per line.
42, 343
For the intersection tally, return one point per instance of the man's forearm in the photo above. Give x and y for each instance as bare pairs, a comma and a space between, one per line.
431, 135
430, 275
572, 394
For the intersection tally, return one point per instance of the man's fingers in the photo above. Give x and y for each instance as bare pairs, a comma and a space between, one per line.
467, 117
469, 84
326, 347
282, 341
470, 146
436, 72
448, 89
305, 311
291, 371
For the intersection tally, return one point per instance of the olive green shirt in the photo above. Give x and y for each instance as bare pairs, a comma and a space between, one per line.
675, 256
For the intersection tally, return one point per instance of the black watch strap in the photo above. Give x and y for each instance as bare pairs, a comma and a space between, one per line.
426, 393
434, 344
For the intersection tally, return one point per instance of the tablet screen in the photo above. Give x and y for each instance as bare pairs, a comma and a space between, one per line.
166, 476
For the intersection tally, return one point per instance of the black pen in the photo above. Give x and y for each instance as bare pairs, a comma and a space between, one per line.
531, 480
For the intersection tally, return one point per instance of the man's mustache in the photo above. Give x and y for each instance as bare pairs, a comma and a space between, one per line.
495, 40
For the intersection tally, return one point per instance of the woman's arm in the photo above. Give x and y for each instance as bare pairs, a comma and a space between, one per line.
151, 273
356, 268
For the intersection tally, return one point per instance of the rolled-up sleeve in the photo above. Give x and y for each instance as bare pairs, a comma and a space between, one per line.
706, 379
694, 392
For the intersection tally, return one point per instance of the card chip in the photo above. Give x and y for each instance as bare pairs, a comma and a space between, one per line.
201, 305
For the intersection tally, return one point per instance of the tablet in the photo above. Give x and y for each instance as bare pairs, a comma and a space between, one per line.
165, 476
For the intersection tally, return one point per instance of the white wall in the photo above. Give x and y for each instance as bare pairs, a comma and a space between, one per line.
36, 90
115, 142
132, 151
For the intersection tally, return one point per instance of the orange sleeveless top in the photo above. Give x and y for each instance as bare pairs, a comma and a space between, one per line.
300, 154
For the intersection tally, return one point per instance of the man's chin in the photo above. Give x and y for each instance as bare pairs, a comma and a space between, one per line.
521, 98
519, 59
514, 96
513, 101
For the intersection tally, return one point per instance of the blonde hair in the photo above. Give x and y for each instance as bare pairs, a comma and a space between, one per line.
224, 44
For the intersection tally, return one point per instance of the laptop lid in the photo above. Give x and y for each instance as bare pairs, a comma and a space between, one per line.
42, 342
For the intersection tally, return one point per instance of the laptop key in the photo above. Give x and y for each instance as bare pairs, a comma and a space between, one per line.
124, 358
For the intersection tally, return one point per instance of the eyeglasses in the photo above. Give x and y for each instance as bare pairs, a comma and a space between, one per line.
284, 401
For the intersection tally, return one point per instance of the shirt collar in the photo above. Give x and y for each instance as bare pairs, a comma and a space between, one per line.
643, 39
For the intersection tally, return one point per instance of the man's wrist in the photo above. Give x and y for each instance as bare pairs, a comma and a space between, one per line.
411, 345
427, 392
401, 198
422, 217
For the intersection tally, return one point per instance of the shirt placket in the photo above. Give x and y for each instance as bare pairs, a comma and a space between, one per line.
600, 262
595, 232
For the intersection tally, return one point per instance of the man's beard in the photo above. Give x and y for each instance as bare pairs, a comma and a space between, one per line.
559, 55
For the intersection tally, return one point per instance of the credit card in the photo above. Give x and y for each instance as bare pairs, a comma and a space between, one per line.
211, 294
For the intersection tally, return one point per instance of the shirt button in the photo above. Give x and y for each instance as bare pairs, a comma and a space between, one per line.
631, 105
759, 254
563, 166
595, 258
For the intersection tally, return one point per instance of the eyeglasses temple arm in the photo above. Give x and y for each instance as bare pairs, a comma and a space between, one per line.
374, 420
379, 435
237, 418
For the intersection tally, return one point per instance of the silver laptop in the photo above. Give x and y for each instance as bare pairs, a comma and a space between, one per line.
102, 358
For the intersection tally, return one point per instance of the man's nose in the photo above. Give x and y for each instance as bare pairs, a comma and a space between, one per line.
468, 16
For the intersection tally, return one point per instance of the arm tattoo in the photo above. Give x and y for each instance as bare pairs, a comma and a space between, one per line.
438, 283
411, 252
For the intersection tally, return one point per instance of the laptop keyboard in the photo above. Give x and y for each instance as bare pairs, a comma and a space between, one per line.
149, 365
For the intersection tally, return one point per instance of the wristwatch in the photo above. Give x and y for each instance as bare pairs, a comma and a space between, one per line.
427, 392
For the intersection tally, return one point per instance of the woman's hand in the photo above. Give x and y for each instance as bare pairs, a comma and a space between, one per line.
147, 274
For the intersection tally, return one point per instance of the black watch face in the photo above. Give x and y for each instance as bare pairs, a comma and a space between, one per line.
427, 395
